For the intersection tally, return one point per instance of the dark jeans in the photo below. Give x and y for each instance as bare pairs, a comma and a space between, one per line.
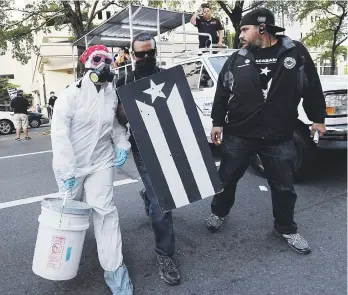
162, 223
277, 159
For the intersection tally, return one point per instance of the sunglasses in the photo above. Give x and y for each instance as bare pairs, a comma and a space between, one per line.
142, 54
98, 58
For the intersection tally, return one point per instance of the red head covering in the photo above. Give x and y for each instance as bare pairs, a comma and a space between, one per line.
91, 51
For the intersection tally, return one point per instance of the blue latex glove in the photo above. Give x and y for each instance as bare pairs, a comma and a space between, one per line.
69, 183
121, 157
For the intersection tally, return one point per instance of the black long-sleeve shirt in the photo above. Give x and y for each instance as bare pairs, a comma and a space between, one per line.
240, 105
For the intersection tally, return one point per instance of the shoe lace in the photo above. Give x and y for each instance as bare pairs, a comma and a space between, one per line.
214, 217
168, 265
298, 240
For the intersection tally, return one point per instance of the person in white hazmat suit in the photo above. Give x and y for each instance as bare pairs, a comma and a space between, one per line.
83, 125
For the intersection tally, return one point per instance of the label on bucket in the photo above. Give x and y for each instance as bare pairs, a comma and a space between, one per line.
56, 252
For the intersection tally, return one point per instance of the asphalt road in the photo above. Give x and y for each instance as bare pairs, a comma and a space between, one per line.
243, 259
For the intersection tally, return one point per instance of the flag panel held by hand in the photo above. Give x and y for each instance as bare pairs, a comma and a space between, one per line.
170, 137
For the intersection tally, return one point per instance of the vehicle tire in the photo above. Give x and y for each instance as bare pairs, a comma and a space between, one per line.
305, 154
6, 127
34, 123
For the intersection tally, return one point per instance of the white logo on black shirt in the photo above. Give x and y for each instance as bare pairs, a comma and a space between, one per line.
289, 62
266, 60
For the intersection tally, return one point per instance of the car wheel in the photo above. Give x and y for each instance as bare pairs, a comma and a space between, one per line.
6, 127
35, 123
305, 154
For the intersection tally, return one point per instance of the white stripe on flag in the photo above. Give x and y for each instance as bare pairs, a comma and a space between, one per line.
190, 144
164, 156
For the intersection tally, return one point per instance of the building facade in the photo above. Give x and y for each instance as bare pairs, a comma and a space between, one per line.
52, 69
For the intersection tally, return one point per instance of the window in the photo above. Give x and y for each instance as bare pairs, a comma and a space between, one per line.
226, 20
325, 69
108, 14
100, 15
218, 62
205, 80
301, 35
192, 72
312, 18
8, 76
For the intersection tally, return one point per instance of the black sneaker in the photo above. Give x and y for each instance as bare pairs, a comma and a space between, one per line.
214, 222
295, 241
27, 137
17, 138
146, 200
168, 270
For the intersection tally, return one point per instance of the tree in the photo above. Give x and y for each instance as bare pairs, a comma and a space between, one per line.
329, 32
46, 15
4, 85
288, 8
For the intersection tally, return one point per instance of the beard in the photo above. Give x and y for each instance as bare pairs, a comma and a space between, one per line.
252, 45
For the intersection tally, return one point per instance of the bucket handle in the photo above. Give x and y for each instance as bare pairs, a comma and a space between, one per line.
64, 201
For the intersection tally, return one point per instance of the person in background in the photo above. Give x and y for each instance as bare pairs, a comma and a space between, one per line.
49, 111
208, 24
255, 106
84, 121
52, 101
144, 49
20, 107
38, 108
123, 60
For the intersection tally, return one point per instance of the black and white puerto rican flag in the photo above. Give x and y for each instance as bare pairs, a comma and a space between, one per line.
170, 137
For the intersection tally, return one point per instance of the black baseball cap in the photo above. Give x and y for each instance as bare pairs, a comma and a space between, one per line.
261, 16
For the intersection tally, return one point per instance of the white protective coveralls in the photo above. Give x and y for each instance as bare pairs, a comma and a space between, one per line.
83, 123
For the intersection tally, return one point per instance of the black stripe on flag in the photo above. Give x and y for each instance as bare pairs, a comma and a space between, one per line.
197, 127
149, 157
175, 145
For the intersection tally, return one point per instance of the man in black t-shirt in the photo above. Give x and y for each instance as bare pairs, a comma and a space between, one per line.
52, 101
208, 24
20, 107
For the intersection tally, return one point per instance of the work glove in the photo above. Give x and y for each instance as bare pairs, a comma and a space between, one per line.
69, 183
121, 157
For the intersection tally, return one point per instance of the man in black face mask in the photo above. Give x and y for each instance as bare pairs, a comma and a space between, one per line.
144, 49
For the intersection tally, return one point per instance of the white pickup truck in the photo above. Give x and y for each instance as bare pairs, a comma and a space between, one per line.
202, 72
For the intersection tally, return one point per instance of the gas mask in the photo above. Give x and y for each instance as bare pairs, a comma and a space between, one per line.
101, 74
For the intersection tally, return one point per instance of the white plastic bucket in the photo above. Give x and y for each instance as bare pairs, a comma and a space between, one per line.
60, 238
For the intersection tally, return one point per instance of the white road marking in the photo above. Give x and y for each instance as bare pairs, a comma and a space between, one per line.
27, 201
125, 181
56, 195
22, 155
263, 188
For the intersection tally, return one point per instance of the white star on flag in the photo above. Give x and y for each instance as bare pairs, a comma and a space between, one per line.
265, 71
155, 91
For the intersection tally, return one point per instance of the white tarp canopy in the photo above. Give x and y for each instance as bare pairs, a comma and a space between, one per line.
120, 29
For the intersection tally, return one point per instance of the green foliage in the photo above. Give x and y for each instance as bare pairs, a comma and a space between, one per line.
18, 26
229, 36
329, 32
4, 85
